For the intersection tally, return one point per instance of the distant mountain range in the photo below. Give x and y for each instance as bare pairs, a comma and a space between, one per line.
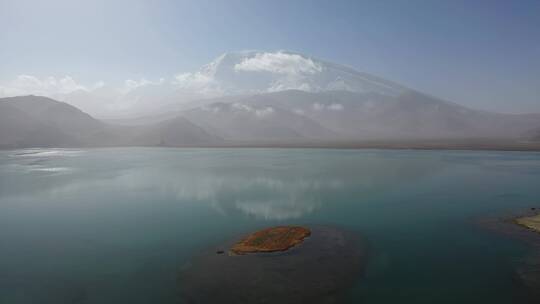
290, 117
352, 116
35, 121
256, 98
32, 121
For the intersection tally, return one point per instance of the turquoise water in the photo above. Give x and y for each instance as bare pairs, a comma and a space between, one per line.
116, 225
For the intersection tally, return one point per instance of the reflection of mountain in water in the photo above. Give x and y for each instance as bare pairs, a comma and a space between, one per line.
277, 194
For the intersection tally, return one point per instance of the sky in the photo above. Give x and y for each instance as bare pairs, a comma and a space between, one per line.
482, 54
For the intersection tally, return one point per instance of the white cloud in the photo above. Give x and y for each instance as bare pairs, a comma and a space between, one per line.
290, 84
198, 84
331, 107
288, 71
242, 107
335, 107
264, 112
318, 107
248, 72
130, 85
57, 86
190, 80
260, 113
98, 85
48, 86
299, 111
279, 63
210, 108
96, 99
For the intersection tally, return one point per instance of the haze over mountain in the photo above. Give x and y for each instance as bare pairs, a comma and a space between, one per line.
35, 121
343, 115
236, 73
39, 121
254, 97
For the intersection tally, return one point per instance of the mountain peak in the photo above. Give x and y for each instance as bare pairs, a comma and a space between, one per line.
253, 71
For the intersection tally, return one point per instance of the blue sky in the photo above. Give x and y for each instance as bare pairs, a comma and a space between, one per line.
484, 54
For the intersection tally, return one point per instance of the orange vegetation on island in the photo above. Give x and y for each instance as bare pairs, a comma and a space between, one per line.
271, 240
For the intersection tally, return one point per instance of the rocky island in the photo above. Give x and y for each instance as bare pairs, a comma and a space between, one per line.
530, 222
523, 226
285, 264
271, 240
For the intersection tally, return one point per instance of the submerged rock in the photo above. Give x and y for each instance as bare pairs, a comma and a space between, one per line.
317, 269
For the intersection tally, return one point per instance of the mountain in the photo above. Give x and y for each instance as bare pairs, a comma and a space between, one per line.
262, 72
289, 117
345, 115
284, 96
34, 121
240, 121
174, 132
532, 135
259, 98
30, 121
231, 74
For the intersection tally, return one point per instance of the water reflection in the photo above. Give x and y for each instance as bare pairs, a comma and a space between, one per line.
286, 189
115, 225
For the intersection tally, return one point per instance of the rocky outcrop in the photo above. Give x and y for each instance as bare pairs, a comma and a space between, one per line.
530, 222
524, 227
271, 240
319, 270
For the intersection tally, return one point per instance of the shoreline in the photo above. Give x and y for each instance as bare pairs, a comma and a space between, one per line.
507, 225
427, 145
531, 222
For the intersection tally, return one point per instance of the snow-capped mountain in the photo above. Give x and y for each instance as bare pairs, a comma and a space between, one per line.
235, 73
254, 97
261, 72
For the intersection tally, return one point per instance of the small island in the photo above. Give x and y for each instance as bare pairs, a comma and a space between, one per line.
271, 240
277, 265
524, 226
530, 222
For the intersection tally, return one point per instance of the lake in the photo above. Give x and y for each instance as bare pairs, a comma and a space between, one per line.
117, 225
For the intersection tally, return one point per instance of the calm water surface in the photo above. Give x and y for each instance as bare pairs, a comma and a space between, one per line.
116, 225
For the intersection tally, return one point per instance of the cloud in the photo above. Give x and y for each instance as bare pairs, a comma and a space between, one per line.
198, 84
330, 107
279, 63
248, 72
290, 84
48, 86
57, 86
260, 113
335, 107
279, 71
299, 111
96, 99
264, 112
130, 85
242, 107
210, 108
318, 107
